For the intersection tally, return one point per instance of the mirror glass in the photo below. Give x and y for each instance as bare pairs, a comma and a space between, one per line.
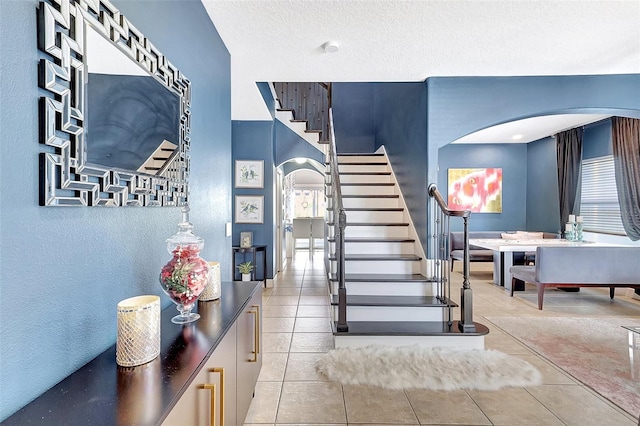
114, 114
132, 120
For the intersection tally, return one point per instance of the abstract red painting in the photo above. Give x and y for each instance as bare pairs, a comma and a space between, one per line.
477, 190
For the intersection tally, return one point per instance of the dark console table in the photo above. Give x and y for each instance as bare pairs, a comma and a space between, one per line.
253, 250
103, 393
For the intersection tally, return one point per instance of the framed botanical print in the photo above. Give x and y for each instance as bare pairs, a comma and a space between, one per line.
249, 209
249, 174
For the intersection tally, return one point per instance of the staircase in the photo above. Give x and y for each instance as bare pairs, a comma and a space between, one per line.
390, 297
303, 108
383, 290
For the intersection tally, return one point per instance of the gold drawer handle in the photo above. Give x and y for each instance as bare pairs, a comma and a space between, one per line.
212, 404
256, 336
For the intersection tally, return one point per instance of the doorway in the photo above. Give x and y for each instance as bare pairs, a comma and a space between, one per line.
303, 199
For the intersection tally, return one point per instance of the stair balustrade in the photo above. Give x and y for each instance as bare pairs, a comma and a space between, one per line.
441, 218
339, 224
309, 102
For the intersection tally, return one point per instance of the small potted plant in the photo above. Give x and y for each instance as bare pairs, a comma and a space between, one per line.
245, 269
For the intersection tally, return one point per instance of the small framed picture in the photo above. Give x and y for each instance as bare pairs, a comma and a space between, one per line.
249, 174
246, 239
249, 208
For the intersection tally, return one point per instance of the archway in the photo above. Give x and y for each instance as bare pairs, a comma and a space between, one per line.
299, 193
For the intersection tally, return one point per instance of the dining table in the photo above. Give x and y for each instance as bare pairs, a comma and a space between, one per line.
503, 251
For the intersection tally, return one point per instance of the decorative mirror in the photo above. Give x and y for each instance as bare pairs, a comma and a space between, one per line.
115, 117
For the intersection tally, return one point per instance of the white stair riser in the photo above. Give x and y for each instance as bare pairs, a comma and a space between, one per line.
375, 216
299, 128
387, 288
368, 190
365, 179
364, 158
468, 342
392, 313
331, 231
380, 267
382, 216
359, 203
375, 248
376, 231
362, 168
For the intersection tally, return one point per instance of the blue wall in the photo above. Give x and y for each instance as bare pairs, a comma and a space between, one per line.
274, 143
414, 120
370, 115
401, 126
597, 140
289, 145
63, 270
354, 117
458, 106
512, 158
543, 211
252, 140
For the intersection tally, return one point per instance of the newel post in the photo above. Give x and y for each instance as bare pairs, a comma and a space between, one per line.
466, 294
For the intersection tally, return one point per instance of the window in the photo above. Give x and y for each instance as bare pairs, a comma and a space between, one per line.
307, 203
599, 197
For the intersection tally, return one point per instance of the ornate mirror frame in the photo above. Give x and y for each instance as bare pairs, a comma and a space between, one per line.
66, 179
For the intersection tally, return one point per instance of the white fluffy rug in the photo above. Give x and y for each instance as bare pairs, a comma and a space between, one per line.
416, 367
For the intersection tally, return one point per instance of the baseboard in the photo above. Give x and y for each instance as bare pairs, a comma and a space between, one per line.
632, 294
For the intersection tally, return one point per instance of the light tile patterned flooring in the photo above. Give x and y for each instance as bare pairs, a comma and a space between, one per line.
297, 331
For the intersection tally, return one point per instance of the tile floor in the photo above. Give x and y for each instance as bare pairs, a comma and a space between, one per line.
297, 330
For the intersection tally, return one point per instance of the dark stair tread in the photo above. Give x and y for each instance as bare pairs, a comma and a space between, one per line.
379, 257
362, 163
397, 301
374, 209
362, 173
383, 278
370, 209
375, 240
298, 121
371, 224
407, 328
360, 154
323, 142
371, 196
368, 184
312, 131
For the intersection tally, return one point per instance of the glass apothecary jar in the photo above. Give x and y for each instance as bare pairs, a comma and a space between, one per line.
185, 276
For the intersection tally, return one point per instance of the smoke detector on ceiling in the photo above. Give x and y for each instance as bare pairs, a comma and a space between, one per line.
331, 46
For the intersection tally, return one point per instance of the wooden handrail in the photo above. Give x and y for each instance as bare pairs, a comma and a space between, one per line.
433, 192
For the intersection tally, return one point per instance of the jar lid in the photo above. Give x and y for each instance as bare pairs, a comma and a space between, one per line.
185, 236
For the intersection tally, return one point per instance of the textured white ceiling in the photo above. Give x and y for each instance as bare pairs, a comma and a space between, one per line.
530, 129
305, 178
410, 40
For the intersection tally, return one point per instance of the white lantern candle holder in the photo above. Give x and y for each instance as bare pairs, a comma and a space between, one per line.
138, 339
212, 290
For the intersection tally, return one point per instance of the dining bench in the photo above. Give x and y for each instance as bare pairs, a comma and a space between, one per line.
581, 266
476, 254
